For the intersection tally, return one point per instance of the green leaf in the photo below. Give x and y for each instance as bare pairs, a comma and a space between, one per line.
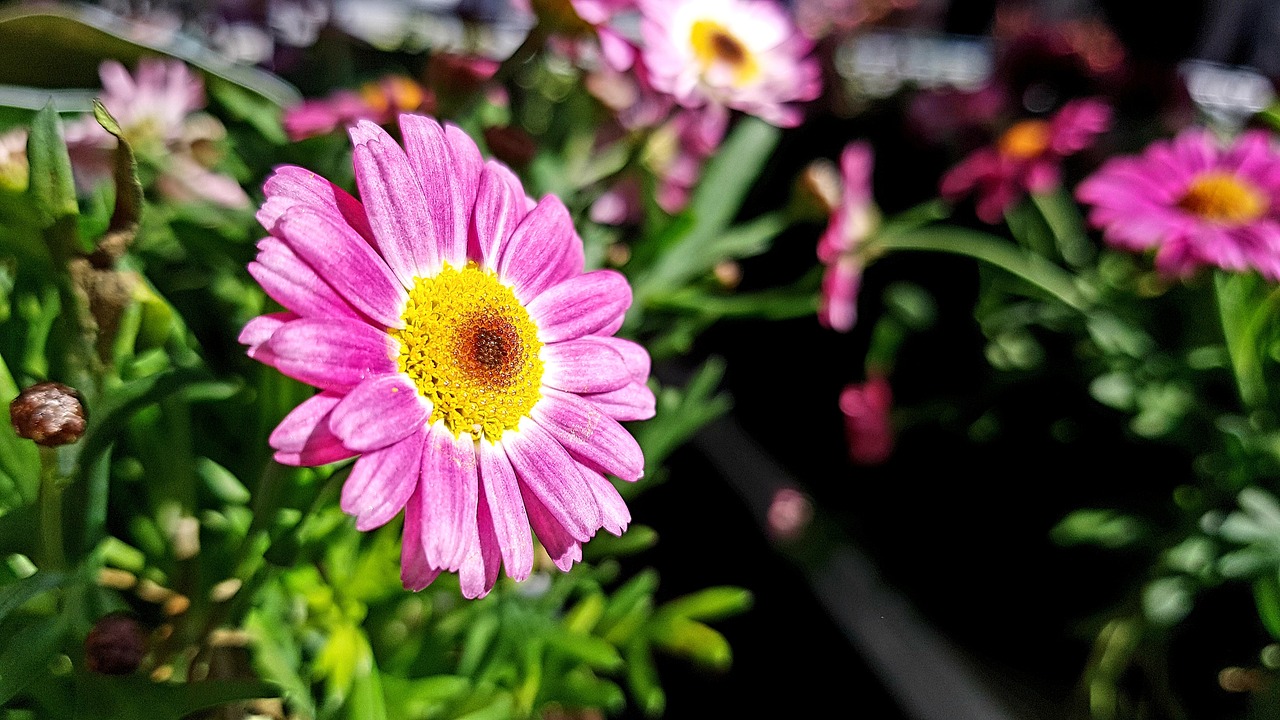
712, 603
26, 655
591, 650
128, 207
691, 639
14, 595
263, 114
101, 696
1266, 596
52, 188
1245, 304
642, 678
19, 457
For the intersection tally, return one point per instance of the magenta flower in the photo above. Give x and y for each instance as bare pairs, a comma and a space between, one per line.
460, 350
379, 100
740, 54
1026, 158
853, 219
1194, 202
867, 423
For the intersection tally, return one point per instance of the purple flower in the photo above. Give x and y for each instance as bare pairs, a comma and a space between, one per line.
852, 220
1026, 158
461, 352
740, 54
1193, 201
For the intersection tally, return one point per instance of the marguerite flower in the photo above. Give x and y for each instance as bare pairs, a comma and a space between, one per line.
741, 54
1195, 202
853, 219
1026, 158
460, 350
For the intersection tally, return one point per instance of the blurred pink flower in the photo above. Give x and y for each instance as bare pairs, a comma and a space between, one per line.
1195, 202
867, 423
380, 100
156, 110
1026, 158
789, 513
740, 54
852, 220
461, 351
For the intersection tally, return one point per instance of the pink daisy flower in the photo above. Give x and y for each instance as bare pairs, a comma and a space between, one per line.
1195, 202
853, 219
1026, 158
460, 350
741, 54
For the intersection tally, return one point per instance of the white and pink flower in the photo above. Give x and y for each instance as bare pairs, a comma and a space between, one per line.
738, 54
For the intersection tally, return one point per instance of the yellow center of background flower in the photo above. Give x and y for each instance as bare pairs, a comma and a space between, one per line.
472, 350
1225, 198
1026, 139
713, 44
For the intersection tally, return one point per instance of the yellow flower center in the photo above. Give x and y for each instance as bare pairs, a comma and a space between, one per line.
1225, 198
1026, 139
472, 350
714, 45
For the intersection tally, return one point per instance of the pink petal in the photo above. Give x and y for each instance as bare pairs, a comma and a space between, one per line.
543, 250
499, 209
294, 284
633, 354
449, 492
479, 569
510, 522
448, 168
346, 262
394, 201
415, 572
303, 436
332, 353
580, 306
382, 481
259, 330
633, 402
584, 365
592, 437
613, 508
546, 470
291, 185
563, 548
378, 412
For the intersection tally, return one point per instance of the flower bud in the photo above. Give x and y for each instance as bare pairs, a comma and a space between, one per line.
48, 413
115, 645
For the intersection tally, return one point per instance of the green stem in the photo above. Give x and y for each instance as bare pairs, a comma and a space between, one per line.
51, 484
993, 251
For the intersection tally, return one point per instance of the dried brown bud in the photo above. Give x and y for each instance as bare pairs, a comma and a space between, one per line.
115, 645
49, 413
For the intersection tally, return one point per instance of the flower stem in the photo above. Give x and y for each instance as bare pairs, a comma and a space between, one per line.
993, 251
51, 484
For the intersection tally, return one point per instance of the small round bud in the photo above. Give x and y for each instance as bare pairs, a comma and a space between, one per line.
115, 645
48, 413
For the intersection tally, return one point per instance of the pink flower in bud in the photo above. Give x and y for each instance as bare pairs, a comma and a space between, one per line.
852, 221
867, 424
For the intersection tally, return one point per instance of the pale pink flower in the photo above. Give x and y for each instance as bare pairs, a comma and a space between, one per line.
14, 170
1195, 202
461, 352
1026, 158
156, 110
867, 422
740, 54
853, 219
